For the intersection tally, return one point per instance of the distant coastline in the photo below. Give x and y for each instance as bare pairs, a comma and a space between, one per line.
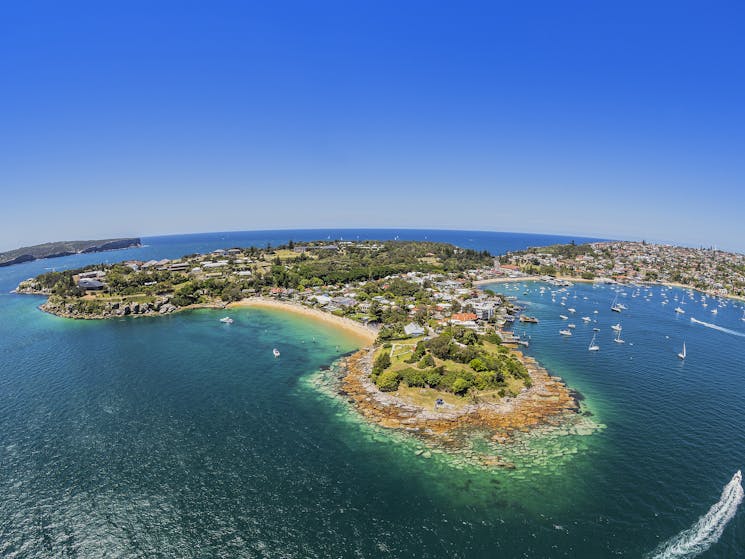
65, 248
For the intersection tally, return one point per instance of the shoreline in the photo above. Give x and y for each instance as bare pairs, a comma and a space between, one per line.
549, 402
364, 333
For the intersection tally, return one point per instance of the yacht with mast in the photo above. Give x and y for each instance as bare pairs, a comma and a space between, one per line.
593, 346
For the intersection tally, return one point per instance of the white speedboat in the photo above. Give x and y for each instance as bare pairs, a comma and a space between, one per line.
565, 332
586, 319
226, 320
563, 316
571, 325
679, 310
275, 351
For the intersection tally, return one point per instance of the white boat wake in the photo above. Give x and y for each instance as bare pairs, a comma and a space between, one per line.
708, 529
720, 328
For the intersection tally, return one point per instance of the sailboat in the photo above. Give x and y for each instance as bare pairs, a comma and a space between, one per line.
615, 307
617, 327
618, 339
593, 345
682, 354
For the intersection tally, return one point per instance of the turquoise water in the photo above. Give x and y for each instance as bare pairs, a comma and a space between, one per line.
183, 437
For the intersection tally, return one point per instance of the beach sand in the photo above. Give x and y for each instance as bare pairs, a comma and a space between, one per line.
364, 333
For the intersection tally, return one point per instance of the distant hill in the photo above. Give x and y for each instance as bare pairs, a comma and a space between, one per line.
64, 248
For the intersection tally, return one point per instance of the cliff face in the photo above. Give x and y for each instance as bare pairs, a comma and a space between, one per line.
64, 248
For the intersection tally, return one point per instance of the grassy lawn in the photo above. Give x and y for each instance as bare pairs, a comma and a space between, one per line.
285, 254
401, 350
105, 298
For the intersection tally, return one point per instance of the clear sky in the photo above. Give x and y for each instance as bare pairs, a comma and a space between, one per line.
618, 119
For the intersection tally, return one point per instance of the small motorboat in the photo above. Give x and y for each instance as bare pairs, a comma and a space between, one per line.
275, 351
226, 320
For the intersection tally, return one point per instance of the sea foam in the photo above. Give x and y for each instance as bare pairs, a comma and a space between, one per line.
708, 529
720, 328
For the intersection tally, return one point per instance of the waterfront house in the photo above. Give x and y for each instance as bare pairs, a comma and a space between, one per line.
413, 329
90, 284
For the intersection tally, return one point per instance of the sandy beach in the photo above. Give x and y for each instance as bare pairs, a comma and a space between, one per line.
366, 334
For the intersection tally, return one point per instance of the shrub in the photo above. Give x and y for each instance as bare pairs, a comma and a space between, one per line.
382, 362
427, 361
433, 376
460, 386
413, 377
388, 381
478, 365
419, 352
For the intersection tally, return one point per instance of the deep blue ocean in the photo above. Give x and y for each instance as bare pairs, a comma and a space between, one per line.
180, 436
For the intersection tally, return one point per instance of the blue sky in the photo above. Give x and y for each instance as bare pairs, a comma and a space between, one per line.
617, 119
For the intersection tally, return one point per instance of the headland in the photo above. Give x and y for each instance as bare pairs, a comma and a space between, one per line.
437, 361
64, 248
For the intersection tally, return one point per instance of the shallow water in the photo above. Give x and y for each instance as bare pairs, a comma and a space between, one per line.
180, 436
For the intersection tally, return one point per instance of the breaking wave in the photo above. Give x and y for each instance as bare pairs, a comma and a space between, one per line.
708, 529
720, 328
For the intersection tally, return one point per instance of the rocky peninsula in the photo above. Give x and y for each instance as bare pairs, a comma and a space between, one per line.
64, 248
438, 362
